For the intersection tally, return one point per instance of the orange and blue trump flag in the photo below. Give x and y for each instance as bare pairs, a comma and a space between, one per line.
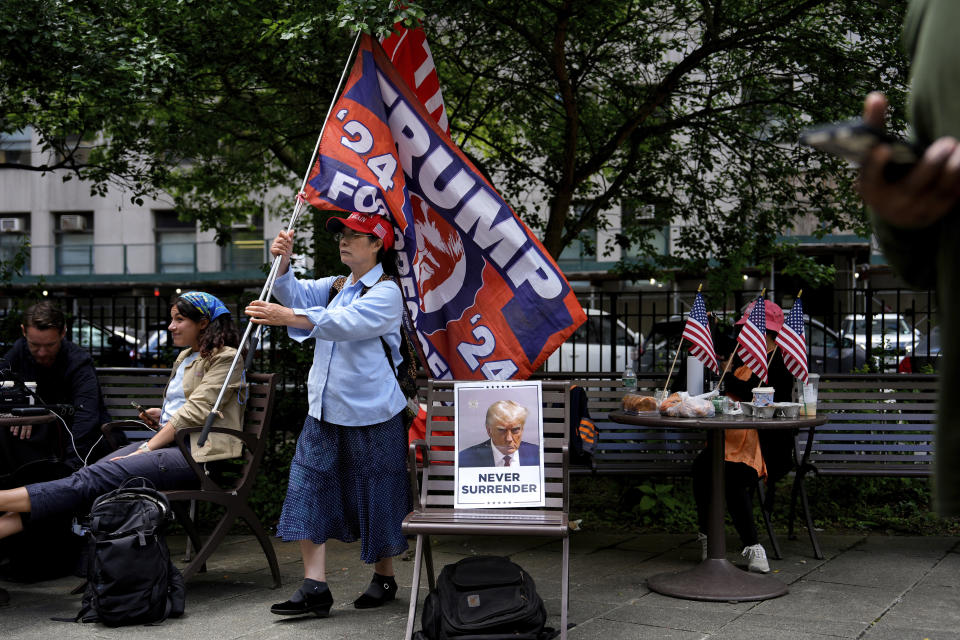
486, 299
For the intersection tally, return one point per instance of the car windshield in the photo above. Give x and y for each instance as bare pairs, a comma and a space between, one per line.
660, 346
879, 325
818, 338
87, 335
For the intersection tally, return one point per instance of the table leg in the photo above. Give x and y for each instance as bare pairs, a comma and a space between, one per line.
716, 579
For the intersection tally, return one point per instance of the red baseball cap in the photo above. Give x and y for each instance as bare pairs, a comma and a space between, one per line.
362, 223
772, 311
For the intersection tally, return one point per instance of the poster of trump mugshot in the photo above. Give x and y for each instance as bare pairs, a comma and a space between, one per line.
499, 436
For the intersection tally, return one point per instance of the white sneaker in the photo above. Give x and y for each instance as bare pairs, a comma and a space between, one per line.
756, 558
702, 539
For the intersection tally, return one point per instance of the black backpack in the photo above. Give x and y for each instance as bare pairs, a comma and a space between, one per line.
484, 597
406, 373
130, 578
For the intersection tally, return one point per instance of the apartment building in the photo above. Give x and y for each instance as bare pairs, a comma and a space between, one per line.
73, 238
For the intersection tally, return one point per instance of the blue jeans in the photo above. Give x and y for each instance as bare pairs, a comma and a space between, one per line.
166, 468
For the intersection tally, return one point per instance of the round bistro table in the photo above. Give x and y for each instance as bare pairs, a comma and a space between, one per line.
8, 459
716, 578
9, 420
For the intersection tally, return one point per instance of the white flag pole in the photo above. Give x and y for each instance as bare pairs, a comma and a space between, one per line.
275, 267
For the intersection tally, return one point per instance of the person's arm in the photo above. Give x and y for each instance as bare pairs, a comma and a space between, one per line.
290, 291
374, 314
926, 194
160, 439
906, 213
740, 381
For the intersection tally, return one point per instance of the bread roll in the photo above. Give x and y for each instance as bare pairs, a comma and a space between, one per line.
672, 400
634, 402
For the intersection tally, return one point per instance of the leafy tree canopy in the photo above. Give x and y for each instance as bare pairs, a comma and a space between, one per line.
692, 107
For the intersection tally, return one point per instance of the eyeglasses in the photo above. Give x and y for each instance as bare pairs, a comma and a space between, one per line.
350, 236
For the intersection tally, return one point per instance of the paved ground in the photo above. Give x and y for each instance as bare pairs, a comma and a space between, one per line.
873, 587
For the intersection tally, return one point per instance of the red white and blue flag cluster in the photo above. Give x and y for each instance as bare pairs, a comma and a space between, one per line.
697, 331
792, 343
486, 299
752, 343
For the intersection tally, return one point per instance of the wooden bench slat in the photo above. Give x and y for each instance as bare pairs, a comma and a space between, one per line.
875, 422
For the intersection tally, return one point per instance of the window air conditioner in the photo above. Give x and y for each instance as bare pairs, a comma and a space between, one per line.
73, 223
11, 225
646, 213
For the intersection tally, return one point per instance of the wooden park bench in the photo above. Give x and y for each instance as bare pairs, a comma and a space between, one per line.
628, 450
230, 485
880, 425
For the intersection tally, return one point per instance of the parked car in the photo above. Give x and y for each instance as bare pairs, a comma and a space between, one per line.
827, 352
109, 348
593, 348
156, 350
891, 337
924, 356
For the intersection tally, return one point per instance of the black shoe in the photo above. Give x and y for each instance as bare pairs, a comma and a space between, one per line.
4, 597
316, 603
381, 590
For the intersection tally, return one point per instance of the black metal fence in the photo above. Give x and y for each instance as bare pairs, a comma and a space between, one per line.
848, 330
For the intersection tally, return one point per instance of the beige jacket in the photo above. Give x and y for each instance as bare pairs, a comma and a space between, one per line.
202, 380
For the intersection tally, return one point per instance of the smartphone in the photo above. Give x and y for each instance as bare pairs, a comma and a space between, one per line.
143, 412
852, 140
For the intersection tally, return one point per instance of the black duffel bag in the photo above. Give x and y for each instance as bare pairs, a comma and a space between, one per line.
484, 598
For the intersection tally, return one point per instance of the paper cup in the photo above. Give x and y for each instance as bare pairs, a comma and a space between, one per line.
762, 396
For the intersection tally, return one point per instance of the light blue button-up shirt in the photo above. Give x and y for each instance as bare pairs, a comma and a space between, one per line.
173, 399
350, 382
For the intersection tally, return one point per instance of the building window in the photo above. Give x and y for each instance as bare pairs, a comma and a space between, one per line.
14, 243
176, 243
74, 242
15, 147
641, 218
75, 148
247, 248
582, 249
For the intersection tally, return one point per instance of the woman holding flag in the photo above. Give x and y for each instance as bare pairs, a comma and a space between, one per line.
348, 478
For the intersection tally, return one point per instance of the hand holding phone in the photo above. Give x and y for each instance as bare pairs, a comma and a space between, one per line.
853, 140
143, 414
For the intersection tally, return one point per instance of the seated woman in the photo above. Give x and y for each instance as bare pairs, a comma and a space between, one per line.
749, 455
201, 323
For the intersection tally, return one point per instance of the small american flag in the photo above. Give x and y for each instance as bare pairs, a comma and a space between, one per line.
792, 343
697, 331
752, 343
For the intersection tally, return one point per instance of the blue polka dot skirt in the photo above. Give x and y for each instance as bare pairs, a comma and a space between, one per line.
349, 483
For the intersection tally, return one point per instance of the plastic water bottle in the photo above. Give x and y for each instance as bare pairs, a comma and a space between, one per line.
629, 380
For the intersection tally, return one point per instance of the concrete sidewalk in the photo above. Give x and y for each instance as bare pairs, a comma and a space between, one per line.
874, 587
